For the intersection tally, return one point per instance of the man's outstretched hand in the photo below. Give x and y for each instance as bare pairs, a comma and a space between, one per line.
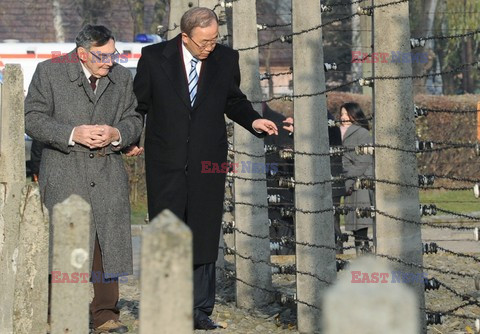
265, 125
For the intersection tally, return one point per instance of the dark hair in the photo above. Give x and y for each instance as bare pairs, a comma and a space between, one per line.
356, 114
197, 17
91, 35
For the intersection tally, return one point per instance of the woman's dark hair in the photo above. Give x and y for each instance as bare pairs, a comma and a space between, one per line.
356, 114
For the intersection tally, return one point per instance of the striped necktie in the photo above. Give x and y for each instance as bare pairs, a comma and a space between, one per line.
193, 80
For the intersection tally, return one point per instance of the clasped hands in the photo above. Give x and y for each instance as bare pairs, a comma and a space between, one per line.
95, 136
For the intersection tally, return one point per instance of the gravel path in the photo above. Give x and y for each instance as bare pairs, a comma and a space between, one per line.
282, 319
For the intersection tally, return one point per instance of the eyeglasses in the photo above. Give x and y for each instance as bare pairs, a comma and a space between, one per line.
105, 57
204, 44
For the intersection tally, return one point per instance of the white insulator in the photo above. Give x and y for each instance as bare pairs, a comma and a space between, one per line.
325, 9
476, 190
364, 150
475, 234
365, 82
477, 325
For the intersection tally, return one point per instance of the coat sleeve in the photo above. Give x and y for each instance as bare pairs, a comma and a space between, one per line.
131, 122
142, 85
238, 108
359, 165
39, 121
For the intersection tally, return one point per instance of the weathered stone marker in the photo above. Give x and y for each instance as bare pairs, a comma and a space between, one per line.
71, 246
31, 285
166, 275
370, 308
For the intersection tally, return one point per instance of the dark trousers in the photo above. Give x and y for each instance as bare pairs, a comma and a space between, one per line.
203, 290
105, 291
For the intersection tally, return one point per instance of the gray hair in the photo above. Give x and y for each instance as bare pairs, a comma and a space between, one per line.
197, 17
91, 35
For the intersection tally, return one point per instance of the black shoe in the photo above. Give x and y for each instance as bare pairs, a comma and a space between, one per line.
206, 324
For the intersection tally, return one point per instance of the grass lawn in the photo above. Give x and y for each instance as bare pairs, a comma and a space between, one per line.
458, 201
138, 213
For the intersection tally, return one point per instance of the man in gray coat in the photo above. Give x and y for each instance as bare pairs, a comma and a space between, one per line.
82, 107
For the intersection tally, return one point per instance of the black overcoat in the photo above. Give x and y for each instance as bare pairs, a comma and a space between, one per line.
179, 137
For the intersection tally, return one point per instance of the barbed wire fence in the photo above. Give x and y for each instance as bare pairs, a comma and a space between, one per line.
284, 179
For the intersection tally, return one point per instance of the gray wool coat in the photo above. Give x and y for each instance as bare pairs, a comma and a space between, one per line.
60, 98
357, 166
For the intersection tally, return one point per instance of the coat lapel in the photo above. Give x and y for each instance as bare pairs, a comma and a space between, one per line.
175, 70
207, 75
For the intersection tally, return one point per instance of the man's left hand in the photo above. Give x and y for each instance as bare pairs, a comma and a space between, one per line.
265, 125
104, 135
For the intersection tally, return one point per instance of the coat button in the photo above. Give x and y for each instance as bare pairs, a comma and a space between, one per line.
91, 155
188, 140
92, 184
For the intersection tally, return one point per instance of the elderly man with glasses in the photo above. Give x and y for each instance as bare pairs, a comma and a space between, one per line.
186, 86
81, 106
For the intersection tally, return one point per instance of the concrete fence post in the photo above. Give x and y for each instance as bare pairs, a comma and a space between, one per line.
12, 181
166, 275
31, 286
368, 299
314, 215
250, 219
70, 267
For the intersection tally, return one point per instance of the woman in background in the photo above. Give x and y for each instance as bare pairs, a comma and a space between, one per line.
355, 131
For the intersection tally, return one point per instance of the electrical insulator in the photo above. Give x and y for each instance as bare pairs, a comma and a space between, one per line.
287, 98
287, 213
475, 234
431, 284
285, 299
364, 184
341, 264
428, 209
477, 283
365, 82
336, 150
284, 270
229, 251
434, 318
329, 67
477, 325
274, 198
228, 227
364, 149
286, 154
227, 206
261, 26
430, 248
265, 76
365, 212
270, 148
325, 9
477, 149
226, 4
230, 129
476, 190
417, 42
423, 145
286, 38
341, 210
286, 182
420, 112
426, 180
365, 11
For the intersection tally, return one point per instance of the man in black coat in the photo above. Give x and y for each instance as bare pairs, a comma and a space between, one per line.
186, 85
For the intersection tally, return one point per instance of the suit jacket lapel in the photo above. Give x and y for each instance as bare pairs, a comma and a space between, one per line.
175, 69
207, 75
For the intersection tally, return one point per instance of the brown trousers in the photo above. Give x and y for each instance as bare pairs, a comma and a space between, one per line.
105, 291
